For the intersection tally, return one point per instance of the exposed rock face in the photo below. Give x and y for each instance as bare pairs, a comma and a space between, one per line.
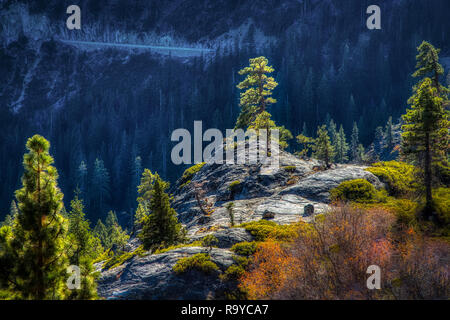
151, 277
293, 191
317, 186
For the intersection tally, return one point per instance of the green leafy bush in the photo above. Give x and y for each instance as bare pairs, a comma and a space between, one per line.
200, 261
358, 190
189, 173
264, 229
245, 248
400, 177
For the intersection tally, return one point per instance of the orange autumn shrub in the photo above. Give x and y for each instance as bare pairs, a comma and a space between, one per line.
272, 267
330, 257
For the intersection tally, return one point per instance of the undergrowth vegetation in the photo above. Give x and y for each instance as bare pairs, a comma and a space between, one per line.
200, 261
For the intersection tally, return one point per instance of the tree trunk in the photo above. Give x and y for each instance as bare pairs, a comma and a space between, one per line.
428, 177
40, 290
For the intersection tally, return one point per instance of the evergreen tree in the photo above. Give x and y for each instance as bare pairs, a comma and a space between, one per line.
161, 226
332, 132
425, 136
116, 237
82, 172
428, 66
101, 232
12, 216
354, 144
258, 88
83, 250
304, 129
378, 144
323, 150
341, 146
36, 241
308, 96
306, 143
100, 186
264, 121
360, 154
389, 135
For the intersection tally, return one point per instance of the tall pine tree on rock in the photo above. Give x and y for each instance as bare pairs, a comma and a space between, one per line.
38, 236
258, 88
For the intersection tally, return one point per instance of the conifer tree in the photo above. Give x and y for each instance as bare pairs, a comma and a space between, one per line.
332, 132
428, 66
161, 226
378, 144
258, 88
12, 216
100, 186
264, 121
389, 135
354, 144
116, 236
341, 146
83, 250
101, 232
37, 239
82, 172
323, 150
425, 137
306, 143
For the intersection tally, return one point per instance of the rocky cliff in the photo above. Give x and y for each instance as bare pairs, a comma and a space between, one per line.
283, 195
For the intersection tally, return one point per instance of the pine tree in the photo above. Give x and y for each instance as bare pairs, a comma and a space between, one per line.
306, 143
332, 132
12, 216
341, 146
258, 88
354, 144
38, 236
378, 144
161, 226
82, 172
308, 96
323, 150
428, 66
83, 250
116, 237
264, 121
101, 232
100, 186
425, 136
389, 135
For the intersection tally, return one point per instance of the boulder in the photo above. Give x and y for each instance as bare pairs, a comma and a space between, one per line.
309, 210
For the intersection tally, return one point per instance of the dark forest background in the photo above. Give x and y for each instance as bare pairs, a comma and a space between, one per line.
109, 113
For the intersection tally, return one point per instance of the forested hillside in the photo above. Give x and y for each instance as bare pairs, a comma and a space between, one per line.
109, 112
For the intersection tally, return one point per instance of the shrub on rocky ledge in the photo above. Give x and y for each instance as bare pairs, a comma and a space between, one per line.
400, 177
264, 229
189, 173
200, 261
244, 248
359, 190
